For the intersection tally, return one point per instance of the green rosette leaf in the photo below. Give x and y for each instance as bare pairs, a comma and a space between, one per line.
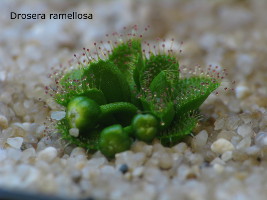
128, 57
105, 76
154, 65
161, 104
192, 92
74, 84
182, 127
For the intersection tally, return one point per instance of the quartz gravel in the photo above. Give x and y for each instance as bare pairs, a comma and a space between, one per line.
224, 158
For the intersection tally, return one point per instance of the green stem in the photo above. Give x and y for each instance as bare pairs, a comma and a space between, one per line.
129, 130
118, 107
123, 111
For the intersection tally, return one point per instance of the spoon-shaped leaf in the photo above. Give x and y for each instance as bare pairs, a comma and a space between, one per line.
106, 76
192, 92
154, 65
164, 109
182, 126
128, 57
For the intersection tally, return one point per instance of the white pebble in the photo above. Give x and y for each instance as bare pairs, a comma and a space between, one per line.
222, 145
235, 107
245, 63
140, 146
200, 139
158, 147
155, 176
236, 139
74, 132
244, 130
107, 169
19, 109
15, 142
185, 171
138, 171
97, 162
180, 148
246, 117
3, 154
208, 41
227, 156
3, 122
133, 160
244, 143
261, 139
242, 91
253, 150
32, 177
28, 153
232, 122
5, 97
165, 160
78, 151
28, 127
48, 154
14, 154
219, 124
218, 168
40, 131
217, 161
58, 115
226, 134
195, 158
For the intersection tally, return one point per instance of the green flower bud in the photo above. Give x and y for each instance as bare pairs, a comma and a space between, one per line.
145, 127
83, 113
114, 139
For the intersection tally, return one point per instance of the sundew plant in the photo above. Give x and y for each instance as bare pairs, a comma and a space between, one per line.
127, 89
